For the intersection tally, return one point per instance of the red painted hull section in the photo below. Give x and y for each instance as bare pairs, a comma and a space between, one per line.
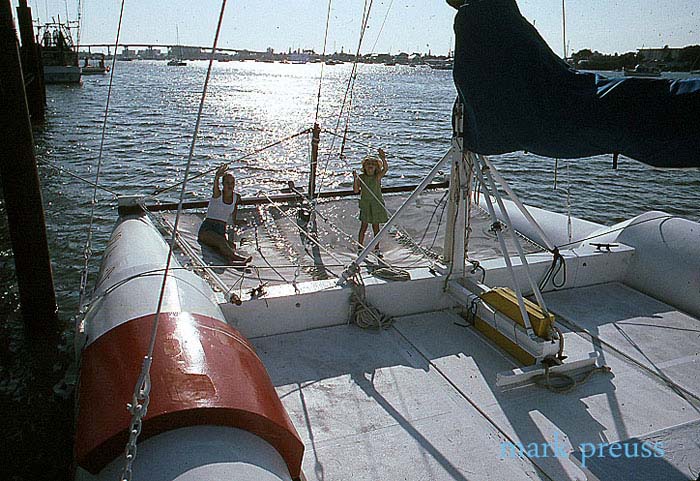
204, 373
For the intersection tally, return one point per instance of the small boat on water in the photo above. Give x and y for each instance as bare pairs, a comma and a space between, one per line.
91, 68
58, 54
446, 64
524, 331
177, 61
642, 71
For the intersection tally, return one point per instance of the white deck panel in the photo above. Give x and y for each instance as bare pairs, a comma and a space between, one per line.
418, 401
652, 333
369, 407
613, 407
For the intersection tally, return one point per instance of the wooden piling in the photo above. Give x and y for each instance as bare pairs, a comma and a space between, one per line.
32, 64
21, 189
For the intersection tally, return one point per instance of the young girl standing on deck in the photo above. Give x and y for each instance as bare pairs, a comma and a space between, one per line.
369, 185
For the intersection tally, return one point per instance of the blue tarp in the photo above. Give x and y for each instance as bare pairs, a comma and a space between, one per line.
519, 95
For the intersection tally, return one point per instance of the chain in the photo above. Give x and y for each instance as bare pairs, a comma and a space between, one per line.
138, 407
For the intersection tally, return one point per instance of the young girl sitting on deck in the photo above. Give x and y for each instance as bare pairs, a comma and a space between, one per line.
369, 185
222, 206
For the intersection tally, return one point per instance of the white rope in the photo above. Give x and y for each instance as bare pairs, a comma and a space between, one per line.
141, 396
87, 250
362, 313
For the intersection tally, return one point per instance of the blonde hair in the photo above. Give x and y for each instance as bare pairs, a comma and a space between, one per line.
371, 159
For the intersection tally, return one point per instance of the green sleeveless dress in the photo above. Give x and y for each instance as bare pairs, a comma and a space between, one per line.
372, 208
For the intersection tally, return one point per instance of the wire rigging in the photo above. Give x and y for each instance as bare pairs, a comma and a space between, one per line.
87, 250
239, 159
140, 399
373, 147
353, 74
323, 56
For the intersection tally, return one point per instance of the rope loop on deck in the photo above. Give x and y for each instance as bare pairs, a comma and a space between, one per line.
565, 383
363, 314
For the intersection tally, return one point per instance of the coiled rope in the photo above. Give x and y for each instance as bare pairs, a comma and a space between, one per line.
362, 313
564, 382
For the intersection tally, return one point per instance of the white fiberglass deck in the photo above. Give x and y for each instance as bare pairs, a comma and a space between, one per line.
419, 402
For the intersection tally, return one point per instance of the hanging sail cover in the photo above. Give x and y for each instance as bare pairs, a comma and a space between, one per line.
518, 95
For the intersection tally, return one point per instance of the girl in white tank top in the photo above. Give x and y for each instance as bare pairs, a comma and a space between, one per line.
222, 206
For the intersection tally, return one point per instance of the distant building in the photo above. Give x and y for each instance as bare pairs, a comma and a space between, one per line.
127, 53
150, 53
186, 53
665, 54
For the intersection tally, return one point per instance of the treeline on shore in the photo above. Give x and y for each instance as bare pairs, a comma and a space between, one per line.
667, 59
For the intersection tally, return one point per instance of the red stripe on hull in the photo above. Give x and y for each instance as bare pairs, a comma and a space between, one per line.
204, 373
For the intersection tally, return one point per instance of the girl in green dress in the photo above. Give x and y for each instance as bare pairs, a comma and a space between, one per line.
369, 185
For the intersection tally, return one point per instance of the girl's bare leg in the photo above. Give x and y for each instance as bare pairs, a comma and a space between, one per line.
221, 245
361, 234
375, 230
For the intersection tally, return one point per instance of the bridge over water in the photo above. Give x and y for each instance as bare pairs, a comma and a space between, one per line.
152, 46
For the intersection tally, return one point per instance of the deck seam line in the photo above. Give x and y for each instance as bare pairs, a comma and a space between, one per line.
466, 398
668, 382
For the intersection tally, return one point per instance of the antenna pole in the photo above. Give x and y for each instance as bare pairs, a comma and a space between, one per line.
563, 24
21, 188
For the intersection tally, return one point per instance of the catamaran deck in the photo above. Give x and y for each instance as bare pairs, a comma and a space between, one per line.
418, 401
273, 236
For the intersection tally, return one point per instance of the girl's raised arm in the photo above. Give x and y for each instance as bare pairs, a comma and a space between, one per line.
355, 182
385, 165
219, 173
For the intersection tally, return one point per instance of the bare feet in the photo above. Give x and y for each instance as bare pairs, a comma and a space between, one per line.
240, 261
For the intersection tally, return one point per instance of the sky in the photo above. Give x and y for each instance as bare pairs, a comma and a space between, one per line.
411, 25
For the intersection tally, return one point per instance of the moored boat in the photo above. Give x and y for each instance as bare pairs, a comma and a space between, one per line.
446, 64
642, 71
91, 68
58, 54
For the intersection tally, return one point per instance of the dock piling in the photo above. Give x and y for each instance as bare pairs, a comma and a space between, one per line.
22, 192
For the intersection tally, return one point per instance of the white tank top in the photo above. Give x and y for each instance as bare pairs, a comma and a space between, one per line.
219, 210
